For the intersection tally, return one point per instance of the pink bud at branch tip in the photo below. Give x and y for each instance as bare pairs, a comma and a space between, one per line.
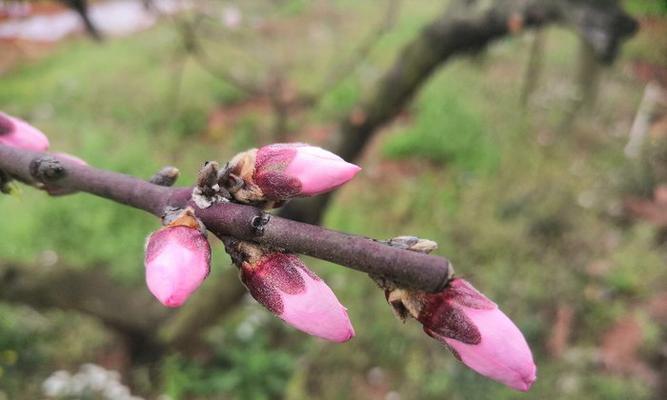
479, 334
17, 133
177, 262
284, 285
295, 169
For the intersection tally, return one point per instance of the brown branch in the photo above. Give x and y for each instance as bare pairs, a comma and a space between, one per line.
411, 269
602, 24
453, 34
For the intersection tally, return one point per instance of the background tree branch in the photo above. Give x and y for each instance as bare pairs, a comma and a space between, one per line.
602, 24
128, 310
341, 71
211, 302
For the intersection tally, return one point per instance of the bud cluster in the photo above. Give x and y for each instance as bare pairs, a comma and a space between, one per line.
269, 176
178, 257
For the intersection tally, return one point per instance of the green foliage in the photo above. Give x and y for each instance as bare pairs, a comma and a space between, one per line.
246, 135
647, 7
27, 351
292, 7
241, 369
446, 130
20, 339
340, 99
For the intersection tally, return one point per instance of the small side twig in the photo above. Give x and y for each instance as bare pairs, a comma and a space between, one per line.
196, 50
167, 176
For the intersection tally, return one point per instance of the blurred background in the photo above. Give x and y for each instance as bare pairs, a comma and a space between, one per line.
528, 138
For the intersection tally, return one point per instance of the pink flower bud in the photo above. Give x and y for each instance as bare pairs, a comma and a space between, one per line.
15, 132
284, 285
281, 171
296, 169
479, 334
177, 262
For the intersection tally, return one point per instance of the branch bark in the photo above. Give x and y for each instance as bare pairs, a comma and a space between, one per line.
409, 269
602, 24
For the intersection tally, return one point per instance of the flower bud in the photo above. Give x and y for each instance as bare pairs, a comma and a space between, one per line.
17, 133
177, 260
474, 329
413, 243
282, 283
281, 171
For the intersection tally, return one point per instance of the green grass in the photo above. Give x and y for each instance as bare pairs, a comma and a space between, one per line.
647, 7
448, 128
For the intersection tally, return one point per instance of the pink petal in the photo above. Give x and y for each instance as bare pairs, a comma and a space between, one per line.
319, 170
286, 170
177, 262
283, 284
15, 132
479, 334
502, 354
317, 312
